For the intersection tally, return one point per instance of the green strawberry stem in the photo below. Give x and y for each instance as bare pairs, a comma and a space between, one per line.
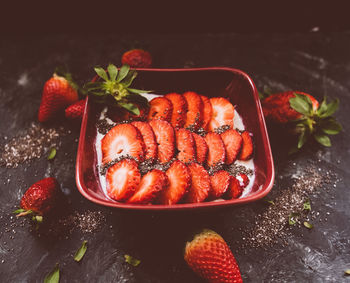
317, 123
116, 84
26, 212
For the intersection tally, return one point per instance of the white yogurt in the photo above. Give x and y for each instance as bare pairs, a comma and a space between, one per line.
237, 124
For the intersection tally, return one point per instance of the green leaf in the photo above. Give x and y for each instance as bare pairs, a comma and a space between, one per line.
292, 220
123, 72
323, 106
112, 71
347, 272
130, 107
323, 139
53, 276
101, 72
308, 225
80, 252
137, 91
301, 104
331, 108
52, 154
133, 261
330, 127
271, 202
38, 218
20, 210
307, 205
302, 139
129, 78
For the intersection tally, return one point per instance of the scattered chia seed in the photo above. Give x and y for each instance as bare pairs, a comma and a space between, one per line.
32, 143
103, 126
236, 170
270, 226
222, 129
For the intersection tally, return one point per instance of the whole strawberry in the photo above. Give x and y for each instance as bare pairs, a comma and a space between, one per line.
303, 114
40, 198
137, 58
76, 110
58, 93
211, 258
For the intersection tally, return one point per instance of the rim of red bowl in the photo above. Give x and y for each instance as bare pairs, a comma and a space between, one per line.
270, 175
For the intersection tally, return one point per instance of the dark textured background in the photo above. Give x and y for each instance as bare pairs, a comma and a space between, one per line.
315, 62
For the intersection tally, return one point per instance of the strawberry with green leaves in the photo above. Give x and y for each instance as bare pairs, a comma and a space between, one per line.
113, 86
305, 114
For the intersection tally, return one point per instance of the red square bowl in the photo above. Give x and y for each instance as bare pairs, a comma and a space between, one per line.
233, 84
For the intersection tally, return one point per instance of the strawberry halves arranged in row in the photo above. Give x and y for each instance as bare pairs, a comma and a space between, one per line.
179, 183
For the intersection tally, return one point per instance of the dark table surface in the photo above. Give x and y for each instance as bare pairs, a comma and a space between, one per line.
315, 62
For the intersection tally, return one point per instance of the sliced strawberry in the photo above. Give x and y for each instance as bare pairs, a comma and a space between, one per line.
128, 116
233, 143
201, 148
178, 116
179, 182
223, 113
207, 111
194, 115
123, 178
200, 184
150, 186
216, 149
122, 140
185, 145
247, 146
220, 182
149, 139
165, 138
235, 189
160, 108
243, 180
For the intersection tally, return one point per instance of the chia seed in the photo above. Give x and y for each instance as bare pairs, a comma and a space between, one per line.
222, 129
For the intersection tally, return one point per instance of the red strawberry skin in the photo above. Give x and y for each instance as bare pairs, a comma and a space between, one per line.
233, 143
210, 257
41, 197
200, 184
201, 148
150, 186
165, 138
57, 94
160, 108
185, 145
194, 115
235, 189
222, 113
137, 58
76, 110
220, 182
122, 140
151, 148
179, 177
247, 146
178, 117
207, 111
123, 178
276, 107
216, 149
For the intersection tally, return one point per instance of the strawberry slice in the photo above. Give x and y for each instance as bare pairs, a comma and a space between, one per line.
149, 139
123, 178
216, 149
243, 180
223, 113
122, 140
220, 182
185, 145
201, 148
233, 143
178, 116
165, 138
150, 186
207, 111
194, 115
235, 189
200, 183
128, 116
160, 108
247, 146
179, 181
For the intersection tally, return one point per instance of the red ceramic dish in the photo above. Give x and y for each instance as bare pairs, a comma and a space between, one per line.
212, 82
